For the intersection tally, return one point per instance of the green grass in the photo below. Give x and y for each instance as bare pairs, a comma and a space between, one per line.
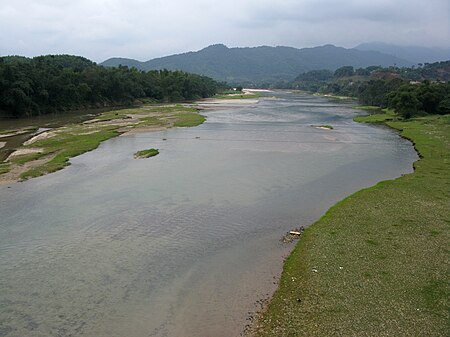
326, 126
378, 115
146, 153
4, 168
239, 96
114, 114
375, 118
381, 255
169, 108
150, 121
22, 159
371, 108
188, 119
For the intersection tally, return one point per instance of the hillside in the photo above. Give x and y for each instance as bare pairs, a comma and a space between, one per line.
258, 65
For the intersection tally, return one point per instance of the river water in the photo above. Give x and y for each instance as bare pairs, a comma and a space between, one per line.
184, 243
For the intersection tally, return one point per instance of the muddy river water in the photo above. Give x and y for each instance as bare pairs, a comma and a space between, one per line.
187, 242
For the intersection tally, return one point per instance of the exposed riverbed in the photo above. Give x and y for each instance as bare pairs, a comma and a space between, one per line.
184, 243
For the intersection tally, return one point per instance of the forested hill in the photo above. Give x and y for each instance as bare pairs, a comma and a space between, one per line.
410, 91
259, 65
44, 84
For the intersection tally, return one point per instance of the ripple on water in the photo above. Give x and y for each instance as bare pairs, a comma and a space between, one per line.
186, 242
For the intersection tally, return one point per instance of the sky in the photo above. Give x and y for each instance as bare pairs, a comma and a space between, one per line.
140, 29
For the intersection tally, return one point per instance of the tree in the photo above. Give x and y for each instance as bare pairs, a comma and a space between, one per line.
444, 106
344, 72
405, 103
60, 82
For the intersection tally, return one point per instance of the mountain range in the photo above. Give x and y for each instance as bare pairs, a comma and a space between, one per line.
259, 65
411, 53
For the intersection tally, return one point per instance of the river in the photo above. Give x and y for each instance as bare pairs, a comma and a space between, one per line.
185, 243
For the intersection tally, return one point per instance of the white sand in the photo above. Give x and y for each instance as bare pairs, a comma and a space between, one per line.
43, 135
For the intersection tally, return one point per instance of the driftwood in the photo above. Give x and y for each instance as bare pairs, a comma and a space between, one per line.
292, 235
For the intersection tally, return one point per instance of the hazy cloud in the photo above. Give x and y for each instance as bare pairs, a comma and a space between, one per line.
99, 29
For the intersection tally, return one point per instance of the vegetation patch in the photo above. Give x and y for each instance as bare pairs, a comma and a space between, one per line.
146, 153
378, 115
375, 118
22, 159
325, 126
170, 108
150, 121
238, 96
188, 119
113, 115
4, 168
371, 108
376, 264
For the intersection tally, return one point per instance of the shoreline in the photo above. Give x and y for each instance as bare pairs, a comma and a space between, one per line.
298, 288
34, 157
39, 149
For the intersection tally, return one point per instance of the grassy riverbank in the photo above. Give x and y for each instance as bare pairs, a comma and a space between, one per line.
376, 264
50, 151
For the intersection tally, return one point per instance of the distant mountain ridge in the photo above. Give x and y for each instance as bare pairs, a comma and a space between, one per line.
258, 65
411, 53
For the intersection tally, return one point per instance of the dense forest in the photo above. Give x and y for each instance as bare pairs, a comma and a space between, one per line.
46, 84
410, 91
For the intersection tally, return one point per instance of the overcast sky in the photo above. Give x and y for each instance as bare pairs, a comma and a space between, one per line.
144, 29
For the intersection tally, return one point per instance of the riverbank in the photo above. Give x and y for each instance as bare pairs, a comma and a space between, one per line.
50, 151
376, 264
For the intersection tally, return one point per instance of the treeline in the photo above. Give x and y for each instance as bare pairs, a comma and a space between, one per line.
425, 98
52, 83
410, 91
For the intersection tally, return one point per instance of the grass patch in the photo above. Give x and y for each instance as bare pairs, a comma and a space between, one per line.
150, 121
238, 96
375, 118
369, 266
188, 119
114, 114
377, 115
330, 127
169, 108
146, 153
371, 108
4, 168
20, 160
